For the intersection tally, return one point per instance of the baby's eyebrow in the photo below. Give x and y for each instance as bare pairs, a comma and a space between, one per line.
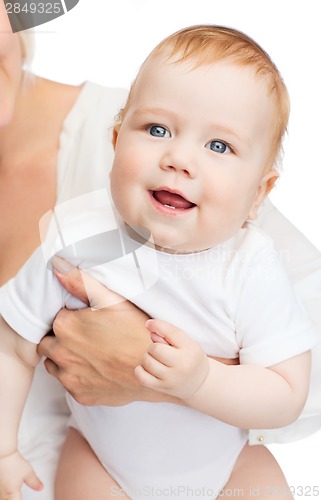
154, 111
230, 132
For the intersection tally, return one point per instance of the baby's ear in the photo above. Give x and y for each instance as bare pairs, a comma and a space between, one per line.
115, 134
266, 185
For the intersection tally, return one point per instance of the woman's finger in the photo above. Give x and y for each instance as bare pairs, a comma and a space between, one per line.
70, 278
83, 286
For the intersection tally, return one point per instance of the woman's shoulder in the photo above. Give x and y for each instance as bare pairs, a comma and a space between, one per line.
98, 98
85, 140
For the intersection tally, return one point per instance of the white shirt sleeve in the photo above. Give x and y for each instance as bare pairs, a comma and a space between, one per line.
31, 300
303, 264
268, 312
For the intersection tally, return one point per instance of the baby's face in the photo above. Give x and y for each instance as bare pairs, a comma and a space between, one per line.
191, 154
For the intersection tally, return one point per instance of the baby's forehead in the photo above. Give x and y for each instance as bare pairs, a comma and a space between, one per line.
227, 72
163, 59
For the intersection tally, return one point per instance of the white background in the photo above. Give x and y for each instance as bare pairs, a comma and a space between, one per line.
106, 41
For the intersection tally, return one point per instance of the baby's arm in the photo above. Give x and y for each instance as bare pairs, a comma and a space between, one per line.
18, 358
245, 396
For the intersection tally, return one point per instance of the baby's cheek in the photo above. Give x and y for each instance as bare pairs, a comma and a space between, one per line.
127, 165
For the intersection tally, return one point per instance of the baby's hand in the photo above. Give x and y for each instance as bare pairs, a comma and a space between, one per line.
174, 364
14, 471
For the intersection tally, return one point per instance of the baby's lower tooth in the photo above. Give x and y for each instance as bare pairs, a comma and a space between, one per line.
169, 206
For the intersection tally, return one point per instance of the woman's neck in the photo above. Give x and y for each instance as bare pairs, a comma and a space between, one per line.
40, 110
29, 147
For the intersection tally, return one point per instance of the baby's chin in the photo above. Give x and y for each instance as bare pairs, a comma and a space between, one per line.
177, 248
162, 243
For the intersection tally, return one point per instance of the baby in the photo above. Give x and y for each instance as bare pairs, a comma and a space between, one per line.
196, 147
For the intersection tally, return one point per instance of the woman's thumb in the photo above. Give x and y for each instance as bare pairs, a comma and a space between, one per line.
83, 286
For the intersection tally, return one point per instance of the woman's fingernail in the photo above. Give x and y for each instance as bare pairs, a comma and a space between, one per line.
61, 265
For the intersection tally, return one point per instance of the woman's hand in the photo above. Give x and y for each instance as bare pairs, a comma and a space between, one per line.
94, 352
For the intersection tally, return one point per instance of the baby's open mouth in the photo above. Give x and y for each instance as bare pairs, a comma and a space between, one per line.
172, 200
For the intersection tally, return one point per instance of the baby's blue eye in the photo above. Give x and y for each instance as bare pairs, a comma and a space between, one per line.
218, 147
158, 131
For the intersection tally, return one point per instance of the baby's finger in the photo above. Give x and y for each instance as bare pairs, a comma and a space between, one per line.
163, 353
146, 379
157, 338
170, 333
33, 481
153, 366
